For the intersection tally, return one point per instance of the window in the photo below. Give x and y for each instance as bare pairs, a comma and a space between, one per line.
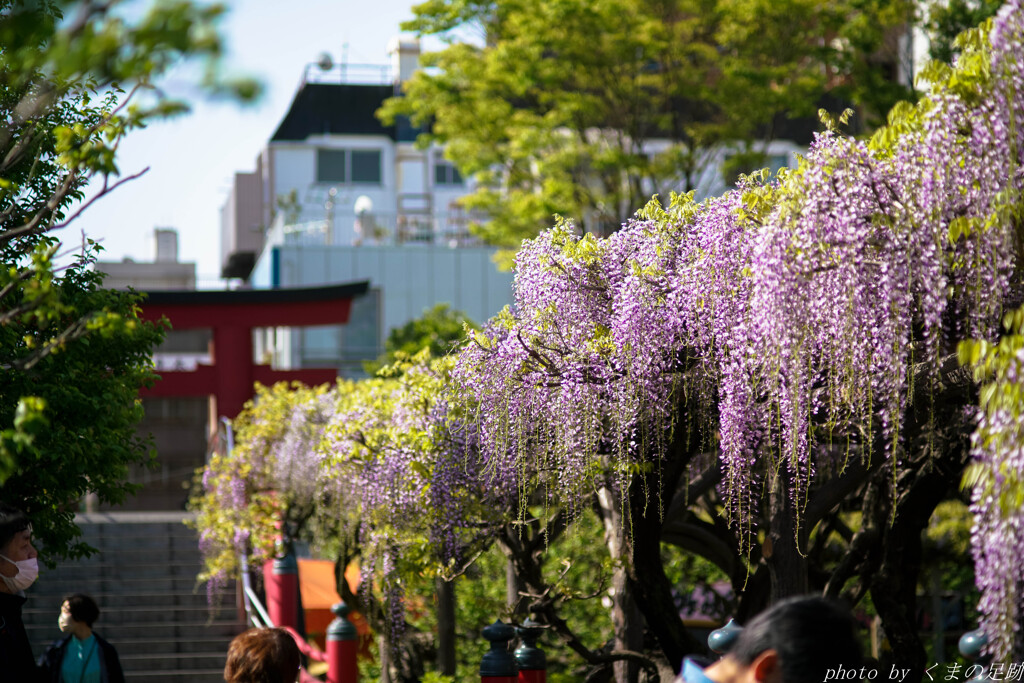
445, 173
366, 166
331, 166
348, 166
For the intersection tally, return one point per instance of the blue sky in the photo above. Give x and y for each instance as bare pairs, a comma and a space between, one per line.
192, 158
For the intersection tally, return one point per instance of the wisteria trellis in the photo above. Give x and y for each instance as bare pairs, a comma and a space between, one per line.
794, 308
799, 306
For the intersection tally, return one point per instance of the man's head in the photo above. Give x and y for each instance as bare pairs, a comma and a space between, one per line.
795, 641
16, 550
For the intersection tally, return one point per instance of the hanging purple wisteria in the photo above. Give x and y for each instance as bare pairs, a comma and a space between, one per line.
802, 310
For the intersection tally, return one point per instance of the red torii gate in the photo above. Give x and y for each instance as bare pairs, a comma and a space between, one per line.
232, 315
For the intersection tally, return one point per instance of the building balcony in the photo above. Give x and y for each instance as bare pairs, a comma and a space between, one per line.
450, 229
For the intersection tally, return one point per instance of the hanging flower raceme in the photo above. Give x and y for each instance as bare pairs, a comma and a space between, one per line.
797, 310
395, 453
270, 475
997, 487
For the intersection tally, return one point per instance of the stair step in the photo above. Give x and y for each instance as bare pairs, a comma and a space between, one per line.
152, 646
111, 600
152, 609
140, 630
173, 661
181, 676
184, 582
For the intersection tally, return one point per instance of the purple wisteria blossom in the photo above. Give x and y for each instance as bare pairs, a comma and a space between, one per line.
793, 310
997, 500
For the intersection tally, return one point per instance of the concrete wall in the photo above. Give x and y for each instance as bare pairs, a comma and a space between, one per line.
242, 225
405, 280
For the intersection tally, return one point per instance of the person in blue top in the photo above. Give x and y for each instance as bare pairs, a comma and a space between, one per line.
799, 640
81, 656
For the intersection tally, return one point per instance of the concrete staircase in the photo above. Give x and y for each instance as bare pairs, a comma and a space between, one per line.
151, 609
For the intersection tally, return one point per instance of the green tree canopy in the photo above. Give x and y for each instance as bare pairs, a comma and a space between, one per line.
438, 330
586, 108
75, 78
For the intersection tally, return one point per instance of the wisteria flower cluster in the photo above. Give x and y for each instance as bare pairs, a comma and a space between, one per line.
264, 482
384, 462
997, 500
396, 454
996, 477
387, 454
797, 309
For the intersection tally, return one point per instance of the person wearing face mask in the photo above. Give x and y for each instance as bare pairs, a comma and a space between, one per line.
82, 656
18, 570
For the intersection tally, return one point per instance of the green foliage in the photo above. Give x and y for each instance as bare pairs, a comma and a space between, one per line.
997, 365
75, 78
554, 115
440, 329
73, 410
944, 20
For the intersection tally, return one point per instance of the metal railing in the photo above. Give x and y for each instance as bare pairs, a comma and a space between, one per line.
379, 229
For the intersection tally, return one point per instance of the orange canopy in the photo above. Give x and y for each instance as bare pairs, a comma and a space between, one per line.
319, 594
316, 583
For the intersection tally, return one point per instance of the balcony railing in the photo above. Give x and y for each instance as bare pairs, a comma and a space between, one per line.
378, 229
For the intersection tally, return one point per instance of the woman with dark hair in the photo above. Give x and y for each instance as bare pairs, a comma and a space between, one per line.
262, 655
82, 656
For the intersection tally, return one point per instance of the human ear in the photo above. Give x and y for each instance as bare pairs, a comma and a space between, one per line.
765, 667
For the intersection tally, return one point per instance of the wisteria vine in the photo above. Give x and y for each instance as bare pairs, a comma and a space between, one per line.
800, 310
380, 462
802, 313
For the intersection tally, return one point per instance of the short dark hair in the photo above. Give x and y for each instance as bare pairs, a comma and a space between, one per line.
262, 655
12, 522
809, 634
83, 608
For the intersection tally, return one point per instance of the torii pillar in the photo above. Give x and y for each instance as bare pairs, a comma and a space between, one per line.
232, 315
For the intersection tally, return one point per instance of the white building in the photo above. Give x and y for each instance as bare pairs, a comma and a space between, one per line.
163, 272
332, 167
338, 196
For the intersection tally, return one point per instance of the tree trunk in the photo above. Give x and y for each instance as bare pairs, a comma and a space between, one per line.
514, 589
445, 626
650, 586
627, 621
894, 585
788, 568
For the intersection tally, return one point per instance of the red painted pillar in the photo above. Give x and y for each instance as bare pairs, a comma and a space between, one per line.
498, 665
342, 642
281, 581
531, 660
233, 369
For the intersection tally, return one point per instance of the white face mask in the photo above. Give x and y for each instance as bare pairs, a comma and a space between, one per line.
28, 571
64, 623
